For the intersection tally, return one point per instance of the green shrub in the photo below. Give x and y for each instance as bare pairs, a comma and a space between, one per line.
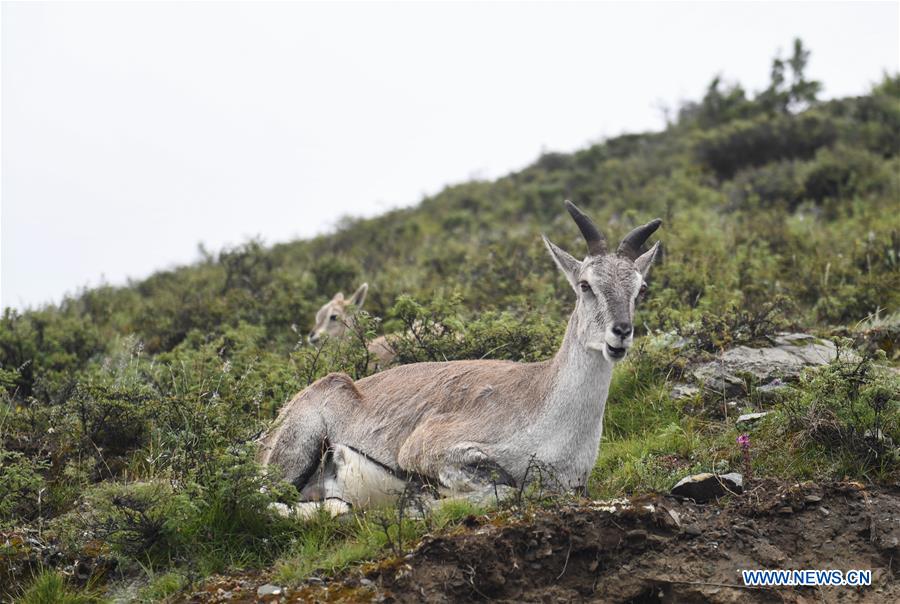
879, 114
849, 413
714, 332
138, 520
50, 587
770, 185
162, 586
746, 143
843, 172
438, 332
44, 347
21, 487
219, 517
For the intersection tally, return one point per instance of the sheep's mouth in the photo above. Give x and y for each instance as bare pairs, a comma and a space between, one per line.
615, 353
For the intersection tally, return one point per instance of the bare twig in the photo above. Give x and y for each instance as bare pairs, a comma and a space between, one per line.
566, 564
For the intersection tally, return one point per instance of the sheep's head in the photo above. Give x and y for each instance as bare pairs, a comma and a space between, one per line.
608, 284
335, 318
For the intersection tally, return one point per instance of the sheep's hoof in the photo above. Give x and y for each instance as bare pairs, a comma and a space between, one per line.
307, 510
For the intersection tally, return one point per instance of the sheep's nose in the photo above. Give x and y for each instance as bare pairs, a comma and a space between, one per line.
623, 330
313, 337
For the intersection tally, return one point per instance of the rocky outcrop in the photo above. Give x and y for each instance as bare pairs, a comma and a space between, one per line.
767, 368
748, 418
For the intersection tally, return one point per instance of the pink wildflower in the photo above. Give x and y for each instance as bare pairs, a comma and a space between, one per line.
744, 441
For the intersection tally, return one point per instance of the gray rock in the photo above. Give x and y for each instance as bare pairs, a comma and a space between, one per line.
749, 417
268, 590
790, 354
773, 391
706, 486
680, 391
877, 435
795, 339
670, 340
676, 517
693, 530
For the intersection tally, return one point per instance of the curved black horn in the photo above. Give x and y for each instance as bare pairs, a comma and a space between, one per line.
631, 245
596, 242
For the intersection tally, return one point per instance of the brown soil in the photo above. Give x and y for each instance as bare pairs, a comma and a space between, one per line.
655, 549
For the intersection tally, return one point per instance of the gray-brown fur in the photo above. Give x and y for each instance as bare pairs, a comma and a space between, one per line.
441, 420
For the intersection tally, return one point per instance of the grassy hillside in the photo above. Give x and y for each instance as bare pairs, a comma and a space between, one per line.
126, 412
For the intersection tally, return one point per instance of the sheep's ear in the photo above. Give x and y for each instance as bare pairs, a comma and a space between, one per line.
645, 260
569, 266
359, 296
338, 297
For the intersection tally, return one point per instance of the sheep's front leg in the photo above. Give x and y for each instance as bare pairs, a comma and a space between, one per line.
470, 473
307, 510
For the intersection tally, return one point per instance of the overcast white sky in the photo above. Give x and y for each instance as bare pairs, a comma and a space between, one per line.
133, 131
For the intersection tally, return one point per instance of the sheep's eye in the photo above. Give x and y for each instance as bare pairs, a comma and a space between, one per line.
333, 317
585, 286
643, 289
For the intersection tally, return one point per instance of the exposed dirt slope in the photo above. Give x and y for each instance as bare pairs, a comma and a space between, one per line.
653, 549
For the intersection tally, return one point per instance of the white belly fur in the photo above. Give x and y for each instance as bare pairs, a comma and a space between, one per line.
349, 479
359, 481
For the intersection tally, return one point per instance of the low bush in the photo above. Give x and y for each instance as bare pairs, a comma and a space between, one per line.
849, 414
21, 487
50, 587
219, 518
844, 172
746, 143
438, 331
